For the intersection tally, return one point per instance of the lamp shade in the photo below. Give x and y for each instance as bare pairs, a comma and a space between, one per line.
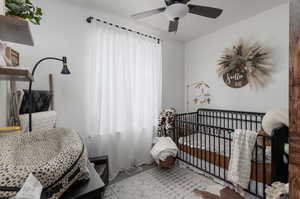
65, 70
176, 10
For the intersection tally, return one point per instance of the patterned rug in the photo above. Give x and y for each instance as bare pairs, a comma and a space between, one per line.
175, 183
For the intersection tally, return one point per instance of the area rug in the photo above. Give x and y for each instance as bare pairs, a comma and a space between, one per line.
225, 193
175, 183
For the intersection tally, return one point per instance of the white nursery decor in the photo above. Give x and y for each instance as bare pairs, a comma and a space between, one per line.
128, 113
201, 91
202, 96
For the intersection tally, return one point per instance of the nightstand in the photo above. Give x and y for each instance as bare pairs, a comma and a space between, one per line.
101, 166
91, 189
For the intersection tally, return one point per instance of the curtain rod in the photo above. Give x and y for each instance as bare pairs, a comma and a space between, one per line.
90, 19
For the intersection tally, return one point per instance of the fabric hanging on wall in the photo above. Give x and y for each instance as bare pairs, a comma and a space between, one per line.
124, 95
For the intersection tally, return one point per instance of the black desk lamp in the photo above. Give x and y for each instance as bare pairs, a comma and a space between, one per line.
65, 71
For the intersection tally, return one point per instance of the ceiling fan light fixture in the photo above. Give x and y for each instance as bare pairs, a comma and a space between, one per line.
176, 10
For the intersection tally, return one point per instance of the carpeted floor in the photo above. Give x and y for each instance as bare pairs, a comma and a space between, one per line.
155, 183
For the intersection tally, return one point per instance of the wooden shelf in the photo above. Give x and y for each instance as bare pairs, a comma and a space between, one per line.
16, 30
15, 73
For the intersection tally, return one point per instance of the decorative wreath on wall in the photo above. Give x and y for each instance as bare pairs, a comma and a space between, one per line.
245, 63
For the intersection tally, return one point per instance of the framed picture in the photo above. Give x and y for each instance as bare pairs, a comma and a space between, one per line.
13, 56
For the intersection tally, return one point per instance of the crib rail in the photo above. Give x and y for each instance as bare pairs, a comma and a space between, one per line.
204, 139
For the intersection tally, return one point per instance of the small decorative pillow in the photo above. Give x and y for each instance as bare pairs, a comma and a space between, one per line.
31, 189
41, 101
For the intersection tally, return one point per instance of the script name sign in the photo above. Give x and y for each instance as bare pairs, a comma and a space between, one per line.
236, 78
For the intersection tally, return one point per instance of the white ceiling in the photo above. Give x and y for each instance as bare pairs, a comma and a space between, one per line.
191, 26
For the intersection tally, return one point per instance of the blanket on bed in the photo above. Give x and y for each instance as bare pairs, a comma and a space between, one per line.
239, 170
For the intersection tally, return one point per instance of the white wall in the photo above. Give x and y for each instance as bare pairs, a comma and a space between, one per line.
63, 32
271, 28
173, 76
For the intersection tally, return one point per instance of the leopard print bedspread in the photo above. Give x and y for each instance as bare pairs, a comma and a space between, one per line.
57, 158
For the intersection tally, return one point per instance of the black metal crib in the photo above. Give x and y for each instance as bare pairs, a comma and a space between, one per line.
204, 142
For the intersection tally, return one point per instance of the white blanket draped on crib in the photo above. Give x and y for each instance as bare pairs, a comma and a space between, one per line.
239, 170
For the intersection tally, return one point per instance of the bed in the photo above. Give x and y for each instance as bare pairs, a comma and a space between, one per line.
57, 158
204, 141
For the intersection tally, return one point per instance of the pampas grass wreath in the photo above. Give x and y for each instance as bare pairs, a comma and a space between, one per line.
252, 57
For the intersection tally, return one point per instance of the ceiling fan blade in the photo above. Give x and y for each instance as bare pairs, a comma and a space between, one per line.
148, 13
173, 26
205, 11
185, 1
170, 2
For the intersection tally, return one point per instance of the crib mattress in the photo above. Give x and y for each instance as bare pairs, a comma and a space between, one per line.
220, 145
57, 158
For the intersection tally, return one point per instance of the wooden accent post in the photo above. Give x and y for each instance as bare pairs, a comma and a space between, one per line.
294, 128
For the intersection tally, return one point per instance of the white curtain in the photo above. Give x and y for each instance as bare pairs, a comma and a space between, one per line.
124, 78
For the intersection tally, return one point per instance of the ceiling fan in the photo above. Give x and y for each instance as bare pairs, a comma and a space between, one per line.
177, 9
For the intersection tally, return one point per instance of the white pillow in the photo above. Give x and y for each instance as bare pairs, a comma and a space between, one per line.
275, 119
31, 189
